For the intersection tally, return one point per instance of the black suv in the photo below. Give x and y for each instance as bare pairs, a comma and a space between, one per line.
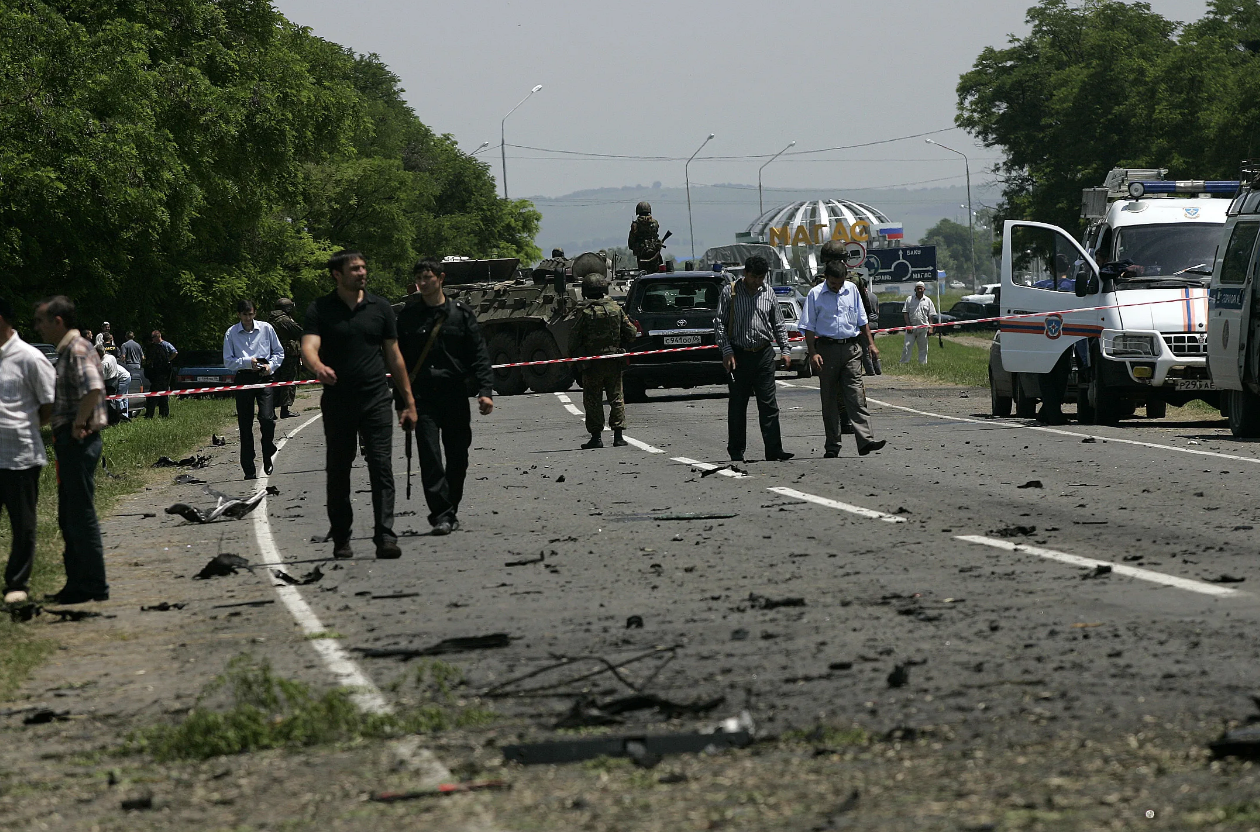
674, 309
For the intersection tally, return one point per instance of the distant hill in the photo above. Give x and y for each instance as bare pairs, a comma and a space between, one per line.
595, 219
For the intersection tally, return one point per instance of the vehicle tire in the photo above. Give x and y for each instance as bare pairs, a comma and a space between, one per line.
634, 390
549, 378
1025, 407
502, 349
998, 405
1244, 414
1156, 408
1108, 408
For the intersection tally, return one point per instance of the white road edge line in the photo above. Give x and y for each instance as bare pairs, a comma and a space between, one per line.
573, 409
1068, 433
709, 466
1116, 568
635, 442
868, 513
348, 674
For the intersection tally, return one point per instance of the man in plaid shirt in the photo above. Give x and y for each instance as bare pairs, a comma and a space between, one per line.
77, 418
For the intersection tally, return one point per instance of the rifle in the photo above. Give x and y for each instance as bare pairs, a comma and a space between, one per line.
407, 433
668, 234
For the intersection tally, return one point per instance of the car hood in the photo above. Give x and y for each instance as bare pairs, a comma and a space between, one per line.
1163, 310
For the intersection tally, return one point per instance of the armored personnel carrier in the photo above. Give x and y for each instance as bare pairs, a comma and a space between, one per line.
525, 314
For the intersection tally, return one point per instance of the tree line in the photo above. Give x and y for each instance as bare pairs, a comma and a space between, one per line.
1102, 84
161, 160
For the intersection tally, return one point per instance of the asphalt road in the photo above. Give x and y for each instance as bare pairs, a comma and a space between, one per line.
908, 557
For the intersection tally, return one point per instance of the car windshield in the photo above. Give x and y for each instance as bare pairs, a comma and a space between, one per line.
1165, 250
676, 295
789, 311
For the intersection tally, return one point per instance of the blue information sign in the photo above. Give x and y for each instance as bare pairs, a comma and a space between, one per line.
901, 265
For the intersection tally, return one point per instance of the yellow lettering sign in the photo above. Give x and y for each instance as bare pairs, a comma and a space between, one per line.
840, 233
780, 236
801, 237
814, 237
861, 231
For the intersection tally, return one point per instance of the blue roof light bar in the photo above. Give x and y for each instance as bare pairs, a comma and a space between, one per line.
1186, 186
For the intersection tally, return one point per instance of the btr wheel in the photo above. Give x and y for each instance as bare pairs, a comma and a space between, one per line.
999, 405
545, 378
507, 382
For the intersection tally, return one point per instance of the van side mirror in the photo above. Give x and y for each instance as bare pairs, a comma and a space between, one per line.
1086, 283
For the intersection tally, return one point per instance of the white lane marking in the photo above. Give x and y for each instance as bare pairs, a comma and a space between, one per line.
1073, 434
562, 397
709, 466
643, 446
635, 442
783, 383
852, 509
1116, 568
348, 674
573, 409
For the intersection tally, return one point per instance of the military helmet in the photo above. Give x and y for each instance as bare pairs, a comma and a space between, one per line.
643, 209
832, 250
284, 303
595, 283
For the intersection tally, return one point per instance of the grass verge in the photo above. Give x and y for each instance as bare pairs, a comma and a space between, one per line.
129, 451
259, 710
952, 363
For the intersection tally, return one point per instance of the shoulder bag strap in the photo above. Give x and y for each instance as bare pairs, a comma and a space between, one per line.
428, 345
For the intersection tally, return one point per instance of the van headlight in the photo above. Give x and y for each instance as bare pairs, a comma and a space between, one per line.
1128, 345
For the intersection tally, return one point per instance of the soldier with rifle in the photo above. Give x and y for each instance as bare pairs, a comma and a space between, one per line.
601, 328
290, 332
645, 239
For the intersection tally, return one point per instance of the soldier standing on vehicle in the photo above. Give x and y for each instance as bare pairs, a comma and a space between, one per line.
602, 328
645, 239
290, 333
447, 361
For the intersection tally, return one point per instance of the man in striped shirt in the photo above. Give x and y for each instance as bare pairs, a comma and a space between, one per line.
748, 323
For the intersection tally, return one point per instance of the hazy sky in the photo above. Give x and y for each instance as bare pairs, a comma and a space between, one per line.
653, 78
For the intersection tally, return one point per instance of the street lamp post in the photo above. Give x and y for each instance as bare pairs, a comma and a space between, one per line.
691, 229
761, 208
484, 145
975, 284
503, 139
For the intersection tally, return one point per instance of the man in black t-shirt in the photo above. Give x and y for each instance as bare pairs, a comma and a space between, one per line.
349, 340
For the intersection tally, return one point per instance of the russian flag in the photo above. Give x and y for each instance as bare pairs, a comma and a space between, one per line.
891, 231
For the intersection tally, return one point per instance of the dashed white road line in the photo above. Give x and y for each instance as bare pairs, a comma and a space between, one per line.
868, 513
343, 668
573, 409
722, 470
1117, 568
643, 446
1073, 434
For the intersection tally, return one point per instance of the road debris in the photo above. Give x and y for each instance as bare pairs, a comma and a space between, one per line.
645, 750
143, 803
1226, 579
163, 607
221, 566
1031, 484
189, 479
449, 645
43, 716
899, 677
260, 603
392, 596
527, 561
739, 634
1102, 570
1242, 742
586, 712
441, 791
634, 622
1014, 531
194, 461
508, 688
693, 516
230, 509
218, 441
1088, 440
761, 602
309, 578
73, 615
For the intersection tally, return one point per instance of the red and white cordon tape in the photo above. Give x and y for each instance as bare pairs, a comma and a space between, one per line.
667, 350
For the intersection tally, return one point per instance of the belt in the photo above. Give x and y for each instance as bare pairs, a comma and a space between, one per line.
824, 339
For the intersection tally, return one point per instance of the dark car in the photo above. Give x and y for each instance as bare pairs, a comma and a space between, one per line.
49, 351
201, 368
966, 311
674, 310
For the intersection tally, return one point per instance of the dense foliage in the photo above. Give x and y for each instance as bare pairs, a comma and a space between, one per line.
952, 241
1101, 84
160, 160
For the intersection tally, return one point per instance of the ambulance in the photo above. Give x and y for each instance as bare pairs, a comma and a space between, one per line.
1124, 309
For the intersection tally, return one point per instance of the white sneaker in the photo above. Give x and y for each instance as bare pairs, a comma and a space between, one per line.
17, 596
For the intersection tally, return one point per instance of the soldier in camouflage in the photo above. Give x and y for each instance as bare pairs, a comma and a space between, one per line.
645, 239
601, 328
290, 333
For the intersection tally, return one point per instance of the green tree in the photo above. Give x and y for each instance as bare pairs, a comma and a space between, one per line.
952, 241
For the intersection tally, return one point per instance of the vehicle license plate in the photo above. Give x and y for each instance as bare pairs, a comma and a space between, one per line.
207, 378
681, 340
1193, 384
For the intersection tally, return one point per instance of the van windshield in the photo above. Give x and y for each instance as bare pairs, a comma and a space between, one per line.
1165, 250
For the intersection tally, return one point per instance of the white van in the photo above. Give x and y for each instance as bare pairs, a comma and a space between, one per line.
1136, 329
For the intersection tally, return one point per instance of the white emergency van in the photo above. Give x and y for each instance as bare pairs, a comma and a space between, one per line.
1234, 314
1126, 306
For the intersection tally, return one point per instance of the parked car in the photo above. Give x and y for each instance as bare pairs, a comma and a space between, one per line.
967, 310
49, 351
201, 368
893, 314
674, 309
792, 305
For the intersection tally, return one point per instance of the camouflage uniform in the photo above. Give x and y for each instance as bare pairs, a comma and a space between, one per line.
600, 329
645, 242
290, 333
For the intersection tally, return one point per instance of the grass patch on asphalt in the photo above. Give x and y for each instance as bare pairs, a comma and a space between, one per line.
258, 710
952, 363
129, 451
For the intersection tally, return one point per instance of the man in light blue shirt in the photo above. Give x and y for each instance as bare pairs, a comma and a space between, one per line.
835, 326
253, 349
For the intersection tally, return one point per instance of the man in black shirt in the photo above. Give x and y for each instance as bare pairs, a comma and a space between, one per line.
447, 360
349, 339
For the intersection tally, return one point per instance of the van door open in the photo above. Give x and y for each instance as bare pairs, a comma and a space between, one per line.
1230, 303
1040, 267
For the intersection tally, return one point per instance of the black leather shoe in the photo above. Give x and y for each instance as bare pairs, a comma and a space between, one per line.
619, 441
70, 596
388, 550
268, 467
781, 456
442, 527
251, 475
739, 458
831, 454
454, 524
596, 441
872, 447
342, 550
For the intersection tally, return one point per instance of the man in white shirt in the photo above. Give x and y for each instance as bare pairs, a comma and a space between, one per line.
918, 313
253, 349
27, 390
100, 336
117, 380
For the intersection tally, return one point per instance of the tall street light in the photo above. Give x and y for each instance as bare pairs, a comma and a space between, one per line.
761, 207
691, 229
484, 145
975, 284
503, 139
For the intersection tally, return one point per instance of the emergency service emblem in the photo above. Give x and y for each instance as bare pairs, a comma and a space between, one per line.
1054, 326
1191, 213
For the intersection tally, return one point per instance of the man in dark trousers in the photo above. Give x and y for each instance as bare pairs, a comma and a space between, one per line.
748, 324
77, 418
601, 328
252, 348
159, 363
349, 339
290, 332
447, 361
